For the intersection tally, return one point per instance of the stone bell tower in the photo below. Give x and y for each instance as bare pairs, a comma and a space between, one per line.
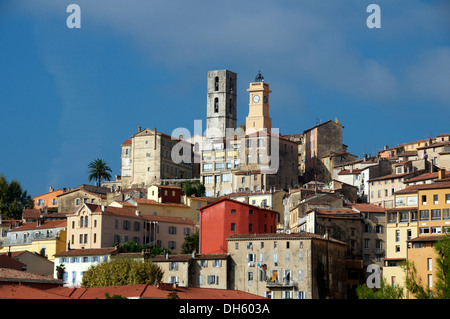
221, 103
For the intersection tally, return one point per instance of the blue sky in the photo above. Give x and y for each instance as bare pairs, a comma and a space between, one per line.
68, 96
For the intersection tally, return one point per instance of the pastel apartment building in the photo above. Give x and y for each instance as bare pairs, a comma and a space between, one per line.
48, 201
44, 237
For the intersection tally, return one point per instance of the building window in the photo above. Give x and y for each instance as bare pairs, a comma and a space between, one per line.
233, 227
172, 230
173, 266
250, 228
446, 213
216, 105
213, 280
425, 214
436, 214
207, 179
424, 199
233, 211
435, 199
436, 230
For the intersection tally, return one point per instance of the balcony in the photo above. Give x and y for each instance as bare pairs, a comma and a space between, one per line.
280, 283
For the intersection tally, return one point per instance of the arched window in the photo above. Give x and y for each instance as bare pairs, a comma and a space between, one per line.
86, 221
81, 221
216, 105
216, 84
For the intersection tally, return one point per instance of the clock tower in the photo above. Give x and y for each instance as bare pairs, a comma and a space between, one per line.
258, 117
221, 103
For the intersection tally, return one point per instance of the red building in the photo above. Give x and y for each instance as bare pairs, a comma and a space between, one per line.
226, 217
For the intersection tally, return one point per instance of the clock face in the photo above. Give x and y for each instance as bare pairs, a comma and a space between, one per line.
256, 98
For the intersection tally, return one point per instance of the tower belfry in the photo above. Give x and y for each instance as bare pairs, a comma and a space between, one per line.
221, 103
258, 117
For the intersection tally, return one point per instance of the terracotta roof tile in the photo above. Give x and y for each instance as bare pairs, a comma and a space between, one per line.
87, 252
150, 291
46, 225
25, 292
363, 207
13, 275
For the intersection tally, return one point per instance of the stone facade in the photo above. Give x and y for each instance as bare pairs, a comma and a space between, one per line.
284, 266
151, 156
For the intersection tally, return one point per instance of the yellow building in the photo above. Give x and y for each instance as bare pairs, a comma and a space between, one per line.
402, 221
434, 222
420, 216
43, 237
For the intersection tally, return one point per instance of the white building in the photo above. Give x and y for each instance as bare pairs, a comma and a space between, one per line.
77, 261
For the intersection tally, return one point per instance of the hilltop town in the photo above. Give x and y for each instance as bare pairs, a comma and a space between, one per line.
279, 216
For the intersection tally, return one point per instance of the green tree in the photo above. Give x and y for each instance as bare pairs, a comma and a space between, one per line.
132, 247
120, 272
413, 282
385, 291
13, 199
107, 296
442, 247
60, 270
193, 188
172, 295
99, 170
190, 244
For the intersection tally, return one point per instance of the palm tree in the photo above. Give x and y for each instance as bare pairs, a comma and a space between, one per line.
98, 170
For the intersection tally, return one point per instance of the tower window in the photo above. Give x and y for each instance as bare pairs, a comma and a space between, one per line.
231, 85
216, 105
216, 83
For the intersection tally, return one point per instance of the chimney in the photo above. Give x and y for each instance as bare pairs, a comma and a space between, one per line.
139, 128
441, 173
50, 189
